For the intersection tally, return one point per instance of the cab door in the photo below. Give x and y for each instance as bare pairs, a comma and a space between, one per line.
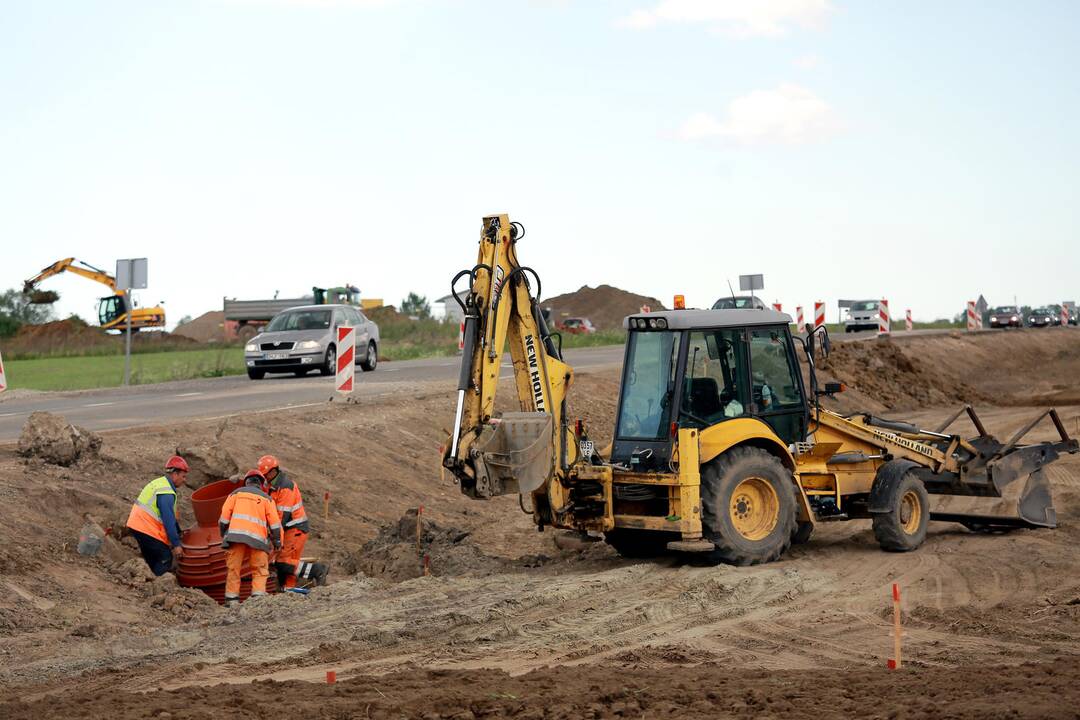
776, 382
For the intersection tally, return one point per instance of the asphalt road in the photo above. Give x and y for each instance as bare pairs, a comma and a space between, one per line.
114, 408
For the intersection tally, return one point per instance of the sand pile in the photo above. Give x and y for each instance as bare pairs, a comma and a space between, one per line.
207, 328
53, 439
605, 306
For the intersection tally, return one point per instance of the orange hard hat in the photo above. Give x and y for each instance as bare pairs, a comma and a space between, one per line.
177, 463
254, 475
267, 463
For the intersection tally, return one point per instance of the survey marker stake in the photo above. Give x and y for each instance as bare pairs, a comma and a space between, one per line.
894, 661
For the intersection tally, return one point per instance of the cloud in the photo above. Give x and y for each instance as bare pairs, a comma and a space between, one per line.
788, 115
807, 62
734, 17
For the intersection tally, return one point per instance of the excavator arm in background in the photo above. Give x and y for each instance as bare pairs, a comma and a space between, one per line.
112, 310
71, 265
516, 452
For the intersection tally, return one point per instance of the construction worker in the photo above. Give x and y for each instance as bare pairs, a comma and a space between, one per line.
294, 521
154, 518
250, 529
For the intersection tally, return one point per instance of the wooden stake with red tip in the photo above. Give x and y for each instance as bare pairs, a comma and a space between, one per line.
894, 662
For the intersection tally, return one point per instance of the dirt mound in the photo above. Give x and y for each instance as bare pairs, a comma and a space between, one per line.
387, 314
209, 463
397, 553
207, 328
53, 439
605, 306
1006, 368
75, 337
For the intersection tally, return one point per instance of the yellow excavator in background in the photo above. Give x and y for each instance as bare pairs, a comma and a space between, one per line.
112, 310
719, 448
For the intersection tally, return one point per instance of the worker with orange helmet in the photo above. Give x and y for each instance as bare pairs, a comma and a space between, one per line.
294, 520
154, 518
250, 529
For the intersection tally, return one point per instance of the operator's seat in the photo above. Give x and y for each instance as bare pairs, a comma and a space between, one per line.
705, 398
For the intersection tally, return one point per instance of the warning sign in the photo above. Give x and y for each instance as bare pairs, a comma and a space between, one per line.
346, 356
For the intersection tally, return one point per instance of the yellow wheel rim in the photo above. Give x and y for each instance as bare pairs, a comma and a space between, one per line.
755, 508
910, 512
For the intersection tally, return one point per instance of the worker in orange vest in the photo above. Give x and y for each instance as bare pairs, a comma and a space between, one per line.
294, 521
250, 529
154, 520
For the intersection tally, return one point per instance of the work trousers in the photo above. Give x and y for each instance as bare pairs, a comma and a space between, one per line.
288, 558
158, 555
234, 561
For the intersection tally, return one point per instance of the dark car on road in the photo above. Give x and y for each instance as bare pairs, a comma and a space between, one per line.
1006, 316
1043, 317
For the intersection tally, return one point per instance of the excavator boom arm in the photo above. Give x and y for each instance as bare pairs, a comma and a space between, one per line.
518, 452
72, 265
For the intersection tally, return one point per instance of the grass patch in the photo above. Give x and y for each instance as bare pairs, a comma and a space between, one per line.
100, 371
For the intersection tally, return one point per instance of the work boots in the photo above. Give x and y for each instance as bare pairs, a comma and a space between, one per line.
313, 571
231, 601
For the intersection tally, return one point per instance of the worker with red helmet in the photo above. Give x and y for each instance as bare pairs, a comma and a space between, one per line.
294, 522
154, 518
250, 529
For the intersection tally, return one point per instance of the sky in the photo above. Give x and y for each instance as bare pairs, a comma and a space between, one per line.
920, 151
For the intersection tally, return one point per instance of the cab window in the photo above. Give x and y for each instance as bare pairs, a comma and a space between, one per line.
715, 387
648, 386
773, 378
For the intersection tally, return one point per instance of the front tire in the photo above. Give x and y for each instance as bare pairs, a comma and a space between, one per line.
748, 506
368, 363
256, 374
902, 528
329, 366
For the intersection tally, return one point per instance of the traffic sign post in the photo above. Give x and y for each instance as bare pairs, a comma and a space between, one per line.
346, 356
751, 283
131, 274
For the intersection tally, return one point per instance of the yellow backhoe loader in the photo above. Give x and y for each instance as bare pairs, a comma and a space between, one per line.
719, 449
112, 310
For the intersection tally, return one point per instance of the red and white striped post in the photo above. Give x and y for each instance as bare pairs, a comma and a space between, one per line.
777, 307
884, 322
819, 314
894, 663
1064, 320
461, 336
3, 380
907, 321
799, 322
346, 355
972, 323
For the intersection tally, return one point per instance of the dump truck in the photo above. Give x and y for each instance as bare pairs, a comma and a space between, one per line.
719, 447
112, 309
244, 319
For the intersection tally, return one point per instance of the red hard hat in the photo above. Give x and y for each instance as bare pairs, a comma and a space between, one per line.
254, 475
267, 463
177, 463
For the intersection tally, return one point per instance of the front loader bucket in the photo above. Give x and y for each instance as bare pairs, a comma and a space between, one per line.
513, 454
1017, 476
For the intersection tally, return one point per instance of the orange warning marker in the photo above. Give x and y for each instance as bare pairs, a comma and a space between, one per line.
331, 677
894, 661
326, 506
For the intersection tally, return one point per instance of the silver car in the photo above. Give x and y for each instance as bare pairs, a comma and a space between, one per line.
302, 339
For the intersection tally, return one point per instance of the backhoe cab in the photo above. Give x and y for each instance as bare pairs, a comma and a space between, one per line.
719, 449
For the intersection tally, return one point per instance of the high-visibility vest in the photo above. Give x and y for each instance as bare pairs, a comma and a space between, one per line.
145, 516
248, 516
290, 505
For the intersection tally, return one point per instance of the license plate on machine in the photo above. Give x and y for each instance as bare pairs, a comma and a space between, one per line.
275, 356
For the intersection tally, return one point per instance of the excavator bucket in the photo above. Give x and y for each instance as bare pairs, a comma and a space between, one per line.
42, 297
513, 454
1013, 475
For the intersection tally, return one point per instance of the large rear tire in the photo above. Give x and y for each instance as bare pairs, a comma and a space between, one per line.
902, 528
748, 506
